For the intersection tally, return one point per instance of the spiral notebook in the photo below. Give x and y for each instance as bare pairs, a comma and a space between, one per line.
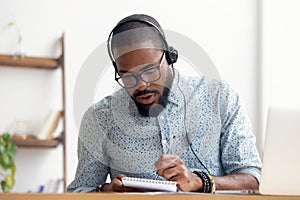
149, 184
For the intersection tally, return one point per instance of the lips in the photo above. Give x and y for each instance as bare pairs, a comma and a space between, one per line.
146, 98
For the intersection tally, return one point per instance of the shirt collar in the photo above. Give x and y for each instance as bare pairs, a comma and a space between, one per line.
176, 93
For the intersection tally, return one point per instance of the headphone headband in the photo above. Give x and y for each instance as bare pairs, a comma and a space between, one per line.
171, 53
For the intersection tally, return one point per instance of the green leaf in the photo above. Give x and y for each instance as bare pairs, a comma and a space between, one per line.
10, 181
11, 23
8, 151
13, 170
5, 187
2, 148
6, 161
2, 142
11, 149
6, 137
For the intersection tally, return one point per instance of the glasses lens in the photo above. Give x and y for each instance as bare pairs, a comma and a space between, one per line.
127, 81
150, 75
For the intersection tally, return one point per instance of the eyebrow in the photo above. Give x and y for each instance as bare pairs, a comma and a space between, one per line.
142, 69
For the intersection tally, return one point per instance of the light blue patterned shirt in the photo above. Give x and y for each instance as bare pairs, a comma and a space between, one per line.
207, 115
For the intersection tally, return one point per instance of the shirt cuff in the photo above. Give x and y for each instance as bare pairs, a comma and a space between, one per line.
84, 189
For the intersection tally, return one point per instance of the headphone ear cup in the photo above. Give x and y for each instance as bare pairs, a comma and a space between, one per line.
171, 55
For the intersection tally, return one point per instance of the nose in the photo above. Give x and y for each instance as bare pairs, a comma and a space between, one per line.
142, 85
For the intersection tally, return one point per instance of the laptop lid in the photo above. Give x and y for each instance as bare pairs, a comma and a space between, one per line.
281, 156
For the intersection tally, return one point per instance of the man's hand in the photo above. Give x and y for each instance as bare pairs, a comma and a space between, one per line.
116, 185
172, 168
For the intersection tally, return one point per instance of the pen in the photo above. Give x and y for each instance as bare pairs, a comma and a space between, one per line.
167, 152
171, 144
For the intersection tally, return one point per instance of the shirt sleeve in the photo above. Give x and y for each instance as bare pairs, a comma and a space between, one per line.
238, 150
92, 167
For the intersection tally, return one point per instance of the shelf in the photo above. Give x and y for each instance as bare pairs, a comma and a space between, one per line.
48, 64
33, 142
29, 62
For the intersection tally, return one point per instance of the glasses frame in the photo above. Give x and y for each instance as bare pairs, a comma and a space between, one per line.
139, 77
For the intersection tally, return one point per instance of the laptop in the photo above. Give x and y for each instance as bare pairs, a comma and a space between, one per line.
281, 160
281, 156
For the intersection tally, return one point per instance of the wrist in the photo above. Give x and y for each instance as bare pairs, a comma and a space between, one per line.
198, 186
208, 183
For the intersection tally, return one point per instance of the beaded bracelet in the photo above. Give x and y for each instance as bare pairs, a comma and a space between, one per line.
212, 181
207, 181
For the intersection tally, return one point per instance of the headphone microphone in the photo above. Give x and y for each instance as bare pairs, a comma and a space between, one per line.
170, 52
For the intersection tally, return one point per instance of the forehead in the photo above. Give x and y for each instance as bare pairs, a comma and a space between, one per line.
138, 58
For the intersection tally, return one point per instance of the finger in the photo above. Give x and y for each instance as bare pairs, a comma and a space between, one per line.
170, 163
165, 161
119, 187
178, 171
162, 170
120, 176
170, 173
116, 185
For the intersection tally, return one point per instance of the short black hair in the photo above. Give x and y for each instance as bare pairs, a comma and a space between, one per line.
146, 32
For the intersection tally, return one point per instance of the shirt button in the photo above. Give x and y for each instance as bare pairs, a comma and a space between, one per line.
164, 142
161, 117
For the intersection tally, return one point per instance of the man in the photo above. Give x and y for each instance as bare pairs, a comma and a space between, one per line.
163, 125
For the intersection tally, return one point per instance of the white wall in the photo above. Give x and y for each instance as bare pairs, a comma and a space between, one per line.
280, 53
28, 94
226, 30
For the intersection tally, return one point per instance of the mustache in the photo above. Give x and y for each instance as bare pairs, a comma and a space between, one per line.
139, 93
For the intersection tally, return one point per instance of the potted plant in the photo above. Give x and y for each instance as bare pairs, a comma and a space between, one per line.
7, 164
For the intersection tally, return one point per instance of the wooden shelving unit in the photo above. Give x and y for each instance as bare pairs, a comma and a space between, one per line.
29, 62
33, 142
48, 64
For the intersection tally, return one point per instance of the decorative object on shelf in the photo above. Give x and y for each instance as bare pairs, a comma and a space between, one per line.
19, 51
21, 128
8, 151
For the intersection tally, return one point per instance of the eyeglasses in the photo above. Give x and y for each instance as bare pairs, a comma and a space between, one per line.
130, 80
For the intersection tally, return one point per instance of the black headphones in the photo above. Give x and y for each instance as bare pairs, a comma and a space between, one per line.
171, 53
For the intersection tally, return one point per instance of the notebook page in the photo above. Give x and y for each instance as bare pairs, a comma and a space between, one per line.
149, 184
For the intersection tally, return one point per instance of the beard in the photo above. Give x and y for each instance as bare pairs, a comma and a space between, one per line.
155, 109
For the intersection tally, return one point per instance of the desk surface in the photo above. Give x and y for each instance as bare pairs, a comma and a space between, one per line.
140, 196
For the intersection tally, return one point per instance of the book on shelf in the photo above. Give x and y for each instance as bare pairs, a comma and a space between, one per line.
52, 186
59, 128
49, 125
55, 186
